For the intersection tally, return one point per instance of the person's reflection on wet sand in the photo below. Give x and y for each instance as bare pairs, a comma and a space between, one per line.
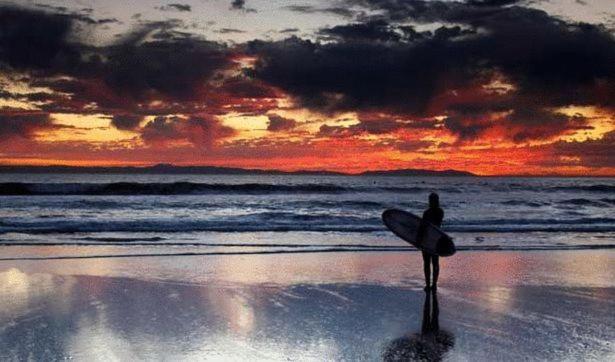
429, 345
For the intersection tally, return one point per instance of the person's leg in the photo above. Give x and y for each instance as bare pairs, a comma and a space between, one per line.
426, 269
436, 269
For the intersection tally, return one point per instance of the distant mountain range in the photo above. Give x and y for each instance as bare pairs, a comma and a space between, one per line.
215, 170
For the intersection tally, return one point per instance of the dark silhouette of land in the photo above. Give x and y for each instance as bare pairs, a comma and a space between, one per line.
215, 170
417, 172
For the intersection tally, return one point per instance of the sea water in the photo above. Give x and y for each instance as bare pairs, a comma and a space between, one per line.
144, 214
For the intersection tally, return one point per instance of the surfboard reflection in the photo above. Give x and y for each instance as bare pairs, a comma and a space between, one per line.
431, 344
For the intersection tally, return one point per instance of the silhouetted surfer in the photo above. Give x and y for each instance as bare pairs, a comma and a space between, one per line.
429, 345
434, 214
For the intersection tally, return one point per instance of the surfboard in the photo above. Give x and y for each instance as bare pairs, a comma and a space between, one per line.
406, 226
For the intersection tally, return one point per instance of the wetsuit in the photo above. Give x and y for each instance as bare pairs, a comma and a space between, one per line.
432, 215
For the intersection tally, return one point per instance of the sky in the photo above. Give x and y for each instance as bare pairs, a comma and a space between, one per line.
494, 87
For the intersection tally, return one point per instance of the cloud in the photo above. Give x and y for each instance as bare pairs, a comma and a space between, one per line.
278, 123
230, 31
154, 69
496, 3
36, 40
289, 30
382, 64
23, 124
242, 87
376, 125
374, 30
412, 145
176, 7
363, 127
351, 75
201, 132
484, 72
238, 4
241, 5
593, 152
126, 121
309, 9
520, 125
83, 15
535, 124
174, 67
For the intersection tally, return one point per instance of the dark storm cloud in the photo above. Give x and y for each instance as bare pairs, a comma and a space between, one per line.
412, 145
384, 64
467, 128
230, 31
59, 9
106, 21
378, 65
241, 87
241, 5
289, 30
22, 124
162, 128
594, 152
538, 124
332, 131
200, 131
495, 2
278, 123
36, 40
156, 61
238, 4
175, 68
175, 7
374, 30
126, 121
379, 127
153, 61
375, 126
83, 15
521, 125
350, 75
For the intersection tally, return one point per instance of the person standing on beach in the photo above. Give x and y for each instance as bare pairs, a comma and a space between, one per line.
434, 215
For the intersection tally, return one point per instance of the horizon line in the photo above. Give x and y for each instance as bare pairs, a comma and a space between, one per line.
296, 171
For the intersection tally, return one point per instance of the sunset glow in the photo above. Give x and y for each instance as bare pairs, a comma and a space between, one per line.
379, 86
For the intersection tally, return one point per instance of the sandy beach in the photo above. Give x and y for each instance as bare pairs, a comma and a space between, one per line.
493, 305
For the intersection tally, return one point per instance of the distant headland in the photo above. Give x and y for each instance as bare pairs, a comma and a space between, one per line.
215, 170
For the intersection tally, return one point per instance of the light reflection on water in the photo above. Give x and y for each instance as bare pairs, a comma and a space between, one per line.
321, 307
583, 268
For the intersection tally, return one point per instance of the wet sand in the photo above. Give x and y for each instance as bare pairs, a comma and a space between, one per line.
492, 305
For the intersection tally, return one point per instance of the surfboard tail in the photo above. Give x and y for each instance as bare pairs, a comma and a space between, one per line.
445, 246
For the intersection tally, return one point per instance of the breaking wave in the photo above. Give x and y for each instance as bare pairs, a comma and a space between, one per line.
190, 188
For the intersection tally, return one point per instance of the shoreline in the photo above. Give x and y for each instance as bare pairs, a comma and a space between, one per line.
278, 249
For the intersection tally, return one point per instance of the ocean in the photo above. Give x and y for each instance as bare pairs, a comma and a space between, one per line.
75, 215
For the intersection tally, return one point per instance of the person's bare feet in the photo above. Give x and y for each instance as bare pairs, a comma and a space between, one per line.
426, 288
434, 287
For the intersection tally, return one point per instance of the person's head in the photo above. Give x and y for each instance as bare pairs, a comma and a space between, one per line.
434, 200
